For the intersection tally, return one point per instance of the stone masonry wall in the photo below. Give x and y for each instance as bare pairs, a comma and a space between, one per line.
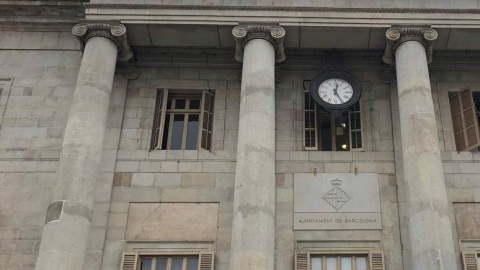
37, 78
42, 68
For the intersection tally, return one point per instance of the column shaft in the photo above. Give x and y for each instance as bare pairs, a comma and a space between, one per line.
428, 210
253, 232
65, 234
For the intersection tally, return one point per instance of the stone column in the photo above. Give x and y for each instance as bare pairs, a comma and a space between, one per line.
253, 229
65, 234
430, 227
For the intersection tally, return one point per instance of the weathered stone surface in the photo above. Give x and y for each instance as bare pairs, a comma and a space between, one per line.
467, 217
172, 222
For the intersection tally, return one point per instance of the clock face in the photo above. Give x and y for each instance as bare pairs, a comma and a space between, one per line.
335, 91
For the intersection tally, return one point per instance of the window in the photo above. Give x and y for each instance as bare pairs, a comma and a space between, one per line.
365, 260
339, 262
183, 120
324, 132
167, 261
465, 108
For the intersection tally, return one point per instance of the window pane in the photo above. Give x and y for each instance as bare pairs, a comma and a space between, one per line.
177, 263
331, 263
192, 131
210, 122
180, 104
146, 264
169, 103
177, 132
341, 134
192, 264
346, 263
165, 131
317, 263
194, 104
161, 264
325, 141
361, 263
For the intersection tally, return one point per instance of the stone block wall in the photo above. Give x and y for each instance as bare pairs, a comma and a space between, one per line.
37, 78
38, 72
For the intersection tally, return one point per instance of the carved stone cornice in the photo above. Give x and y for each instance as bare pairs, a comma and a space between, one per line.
271, 33
398, 35
285, 8
114, 31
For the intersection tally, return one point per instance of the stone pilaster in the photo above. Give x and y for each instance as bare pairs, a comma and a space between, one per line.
253, 228
65, 234
430, 230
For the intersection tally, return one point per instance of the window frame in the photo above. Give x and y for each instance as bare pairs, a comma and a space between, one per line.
375, 258
163, 96
338, 256
315, 127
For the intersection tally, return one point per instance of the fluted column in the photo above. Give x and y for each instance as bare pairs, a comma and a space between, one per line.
253, 229
65, 234
428, 209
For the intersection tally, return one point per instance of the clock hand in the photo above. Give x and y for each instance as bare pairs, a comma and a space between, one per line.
335, 92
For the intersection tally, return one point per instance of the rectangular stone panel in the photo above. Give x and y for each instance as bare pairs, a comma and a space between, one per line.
336, 201
172, 222
467, 216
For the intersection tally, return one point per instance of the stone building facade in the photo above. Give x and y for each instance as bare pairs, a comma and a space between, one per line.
170, 135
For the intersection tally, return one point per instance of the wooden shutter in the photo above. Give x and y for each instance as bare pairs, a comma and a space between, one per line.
302, 261
465, 125
206, 121
129, 261
207, 260
310, 132
159, 119
376, 260
469, 259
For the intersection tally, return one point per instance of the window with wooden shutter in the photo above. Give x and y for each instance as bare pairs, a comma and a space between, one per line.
336, 260
301, 261
470, 260
376, 260
148, 260
465, 120
183, 120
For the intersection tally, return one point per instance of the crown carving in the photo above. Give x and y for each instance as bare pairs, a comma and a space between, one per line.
397, 35
272, 33
336, 182
114, 31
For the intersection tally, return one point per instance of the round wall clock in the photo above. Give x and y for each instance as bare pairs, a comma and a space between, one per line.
335, 90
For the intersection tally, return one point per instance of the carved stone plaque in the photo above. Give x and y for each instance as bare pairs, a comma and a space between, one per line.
336, 201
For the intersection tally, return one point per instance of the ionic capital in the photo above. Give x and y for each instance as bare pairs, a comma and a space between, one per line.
114, 31
273, 34
398, 35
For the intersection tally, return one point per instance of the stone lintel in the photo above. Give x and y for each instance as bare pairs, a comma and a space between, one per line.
114, 31
400, 34
272, 33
